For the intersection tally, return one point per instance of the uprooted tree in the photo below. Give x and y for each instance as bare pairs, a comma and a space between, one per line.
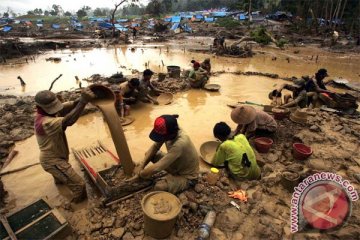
117, 5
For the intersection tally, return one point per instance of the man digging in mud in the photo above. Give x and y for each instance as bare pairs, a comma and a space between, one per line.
51, 121
198, 76
252, 122
181, 160
236, 153
146, 89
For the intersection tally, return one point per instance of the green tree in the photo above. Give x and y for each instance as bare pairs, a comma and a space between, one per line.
46, 13
68, 14
31, 13
38, 11
81, 13
6, 15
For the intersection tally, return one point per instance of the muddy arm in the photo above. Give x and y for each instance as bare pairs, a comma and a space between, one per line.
74, 115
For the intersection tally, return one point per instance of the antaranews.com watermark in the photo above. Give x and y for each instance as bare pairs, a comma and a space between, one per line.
322, 201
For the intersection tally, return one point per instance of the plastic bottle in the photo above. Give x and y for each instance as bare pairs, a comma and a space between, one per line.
213, 176
205, 227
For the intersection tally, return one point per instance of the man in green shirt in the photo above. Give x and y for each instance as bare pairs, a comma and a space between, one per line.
236, 154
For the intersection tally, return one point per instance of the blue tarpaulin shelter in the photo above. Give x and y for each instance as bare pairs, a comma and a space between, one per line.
123, 20
168, 19
55, 26
199, 16
219, 14
209, 19
135, 25
40, 25
242, 16
175, 19
105, 25
174, 26
6, 28
120, 28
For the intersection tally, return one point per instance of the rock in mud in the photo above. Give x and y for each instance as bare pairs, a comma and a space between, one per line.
315, 128
117, 233
95, 227
338, 128
128, 236
237, 236
318, 164
217, 234
108, 222
199, 188
229, 220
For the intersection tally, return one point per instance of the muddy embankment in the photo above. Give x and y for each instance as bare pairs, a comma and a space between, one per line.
14, 48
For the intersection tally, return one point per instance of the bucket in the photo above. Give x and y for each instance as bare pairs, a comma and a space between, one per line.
263, 144
102, 93
301, 151
162, 77
161, 210
289, 180
174, 71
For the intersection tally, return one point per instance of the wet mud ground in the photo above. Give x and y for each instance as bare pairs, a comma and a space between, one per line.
333, 139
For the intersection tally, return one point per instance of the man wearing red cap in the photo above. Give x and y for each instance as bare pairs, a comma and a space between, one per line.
181, 160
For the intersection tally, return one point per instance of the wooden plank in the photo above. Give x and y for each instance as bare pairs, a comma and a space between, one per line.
5, 223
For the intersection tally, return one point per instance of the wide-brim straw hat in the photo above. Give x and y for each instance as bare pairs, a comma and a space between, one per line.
243, 114
299, 116
48, 101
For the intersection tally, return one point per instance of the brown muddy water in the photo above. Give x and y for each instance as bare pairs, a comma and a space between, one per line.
199, 110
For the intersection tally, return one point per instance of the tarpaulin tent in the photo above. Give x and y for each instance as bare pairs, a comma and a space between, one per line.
242, 16
122, 20
121, 28
219, 14
168, 19
209, 19
105, 25
175, 19
198, 16
175, 26
40, 25
6, 28
55, 26
135, 25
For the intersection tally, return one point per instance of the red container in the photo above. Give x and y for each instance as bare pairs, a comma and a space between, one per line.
263, 144
301, 151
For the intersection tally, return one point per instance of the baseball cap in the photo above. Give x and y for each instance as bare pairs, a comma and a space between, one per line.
164, 127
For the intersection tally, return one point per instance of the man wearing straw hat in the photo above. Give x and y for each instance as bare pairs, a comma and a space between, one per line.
236, 153
253, 122
181, 161
51, 121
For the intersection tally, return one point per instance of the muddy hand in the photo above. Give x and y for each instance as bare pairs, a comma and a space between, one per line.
133, 178
87, 95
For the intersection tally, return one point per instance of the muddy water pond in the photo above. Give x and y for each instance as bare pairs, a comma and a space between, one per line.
199, 110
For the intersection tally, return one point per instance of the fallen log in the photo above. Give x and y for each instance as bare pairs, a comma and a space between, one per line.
18, 169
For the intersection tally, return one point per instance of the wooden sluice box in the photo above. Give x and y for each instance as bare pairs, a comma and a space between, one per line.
36, 221
106, 171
